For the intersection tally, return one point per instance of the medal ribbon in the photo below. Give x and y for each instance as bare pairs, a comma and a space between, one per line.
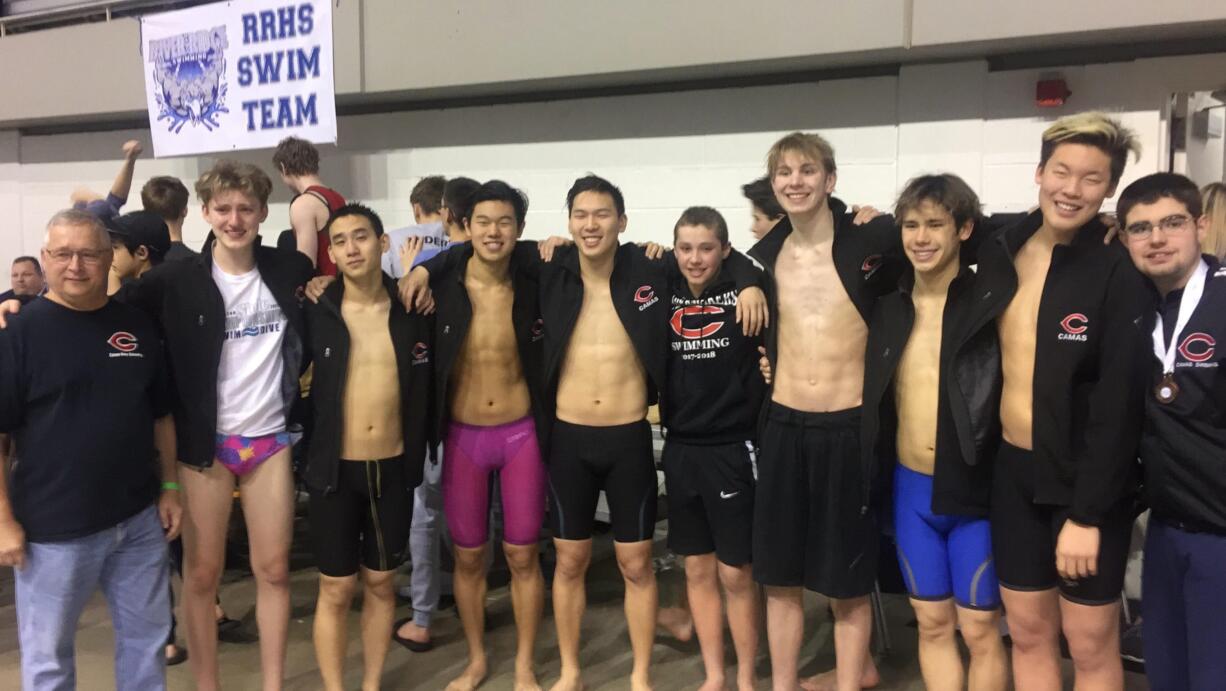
1187, 305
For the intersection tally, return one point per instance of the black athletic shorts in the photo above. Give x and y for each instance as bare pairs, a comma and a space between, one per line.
583, 461
365, 521
810, 525
1024, 536
710, 499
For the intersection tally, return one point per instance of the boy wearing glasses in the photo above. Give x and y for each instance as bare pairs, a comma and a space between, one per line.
1183, 442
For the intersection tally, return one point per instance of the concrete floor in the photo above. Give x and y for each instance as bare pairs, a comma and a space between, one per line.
606, 649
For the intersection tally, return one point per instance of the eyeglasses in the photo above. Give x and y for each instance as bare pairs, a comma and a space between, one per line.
87, 257
1171, 224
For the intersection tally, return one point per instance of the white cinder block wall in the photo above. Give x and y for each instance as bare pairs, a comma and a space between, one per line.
666, 151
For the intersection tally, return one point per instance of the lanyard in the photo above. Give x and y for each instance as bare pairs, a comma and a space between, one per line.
1187, 305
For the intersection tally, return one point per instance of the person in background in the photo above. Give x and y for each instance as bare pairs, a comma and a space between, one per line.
104, 208
427, 201
27, 280
426, 537
1213, 200
765, 209
167, 197
297, 160
139, 242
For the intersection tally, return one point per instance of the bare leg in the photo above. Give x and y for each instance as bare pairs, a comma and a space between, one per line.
742, 596
642, 597
702, 588
785, 625
1034, 626
1093, 633
329, 630
208, 497
940, 660
854, 666
528, 599
267, 494
378, 614
569, 601
470, 589
981, 631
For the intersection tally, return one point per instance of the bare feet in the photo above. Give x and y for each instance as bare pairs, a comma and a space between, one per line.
640, 684
826, 681
677, 622
525, 680
472, 677
413, 632
712, 685
569, 682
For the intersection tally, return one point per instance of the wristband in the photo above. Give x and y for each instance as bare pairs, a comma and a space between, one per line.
171, 485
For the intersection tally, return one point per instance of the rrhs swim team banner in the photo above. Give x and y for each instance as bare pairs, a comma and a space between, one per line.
239, 75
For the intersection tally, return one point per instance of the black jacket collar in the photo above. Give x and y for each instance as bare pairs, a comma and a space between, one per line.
335, 292
1016, 235
767, 249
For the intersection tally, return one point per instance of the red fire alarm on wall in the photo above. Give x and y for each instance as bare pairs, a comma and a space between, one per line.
1049, 93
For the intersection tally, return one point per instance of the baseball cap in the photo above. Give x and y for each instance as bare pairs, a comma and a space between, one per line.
142, 228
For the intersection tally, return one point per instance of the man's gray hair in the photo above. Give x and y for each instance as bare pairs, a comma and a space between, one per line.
78, 217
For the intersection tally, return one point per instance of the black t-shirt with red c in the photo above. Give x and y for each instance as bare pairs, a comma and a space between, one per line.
79, 392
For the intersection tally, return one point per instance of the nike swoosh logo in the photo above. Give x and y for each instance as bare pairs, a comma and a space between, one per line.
728, 495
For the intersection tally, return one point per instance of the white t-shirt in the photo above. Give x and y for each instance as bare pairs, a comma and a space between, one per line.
434, 234
249, 378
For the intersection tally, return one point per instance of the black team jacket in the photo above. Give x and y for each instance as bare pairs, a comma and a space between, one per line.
714, 388
1183, 446
867, 260
188, 309
1090, 344
454, 315
329, 347
968, 412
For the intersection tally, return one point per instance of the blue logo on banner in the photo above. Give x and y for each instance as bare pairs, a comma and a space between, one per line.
189, 71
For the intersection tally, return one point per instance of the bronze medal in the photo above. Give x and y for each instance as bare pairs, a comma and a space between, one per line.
1167, 389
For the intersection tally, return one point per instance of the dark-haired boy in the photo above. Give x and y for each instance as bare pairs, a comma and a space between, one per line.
488, 392
930, 420
1183, 443
369, 395
764, 207
139, 242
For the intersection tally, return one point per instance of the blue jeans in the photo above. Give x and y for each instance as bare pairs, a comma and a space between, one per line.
129, 564
1183, 627
425, 539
